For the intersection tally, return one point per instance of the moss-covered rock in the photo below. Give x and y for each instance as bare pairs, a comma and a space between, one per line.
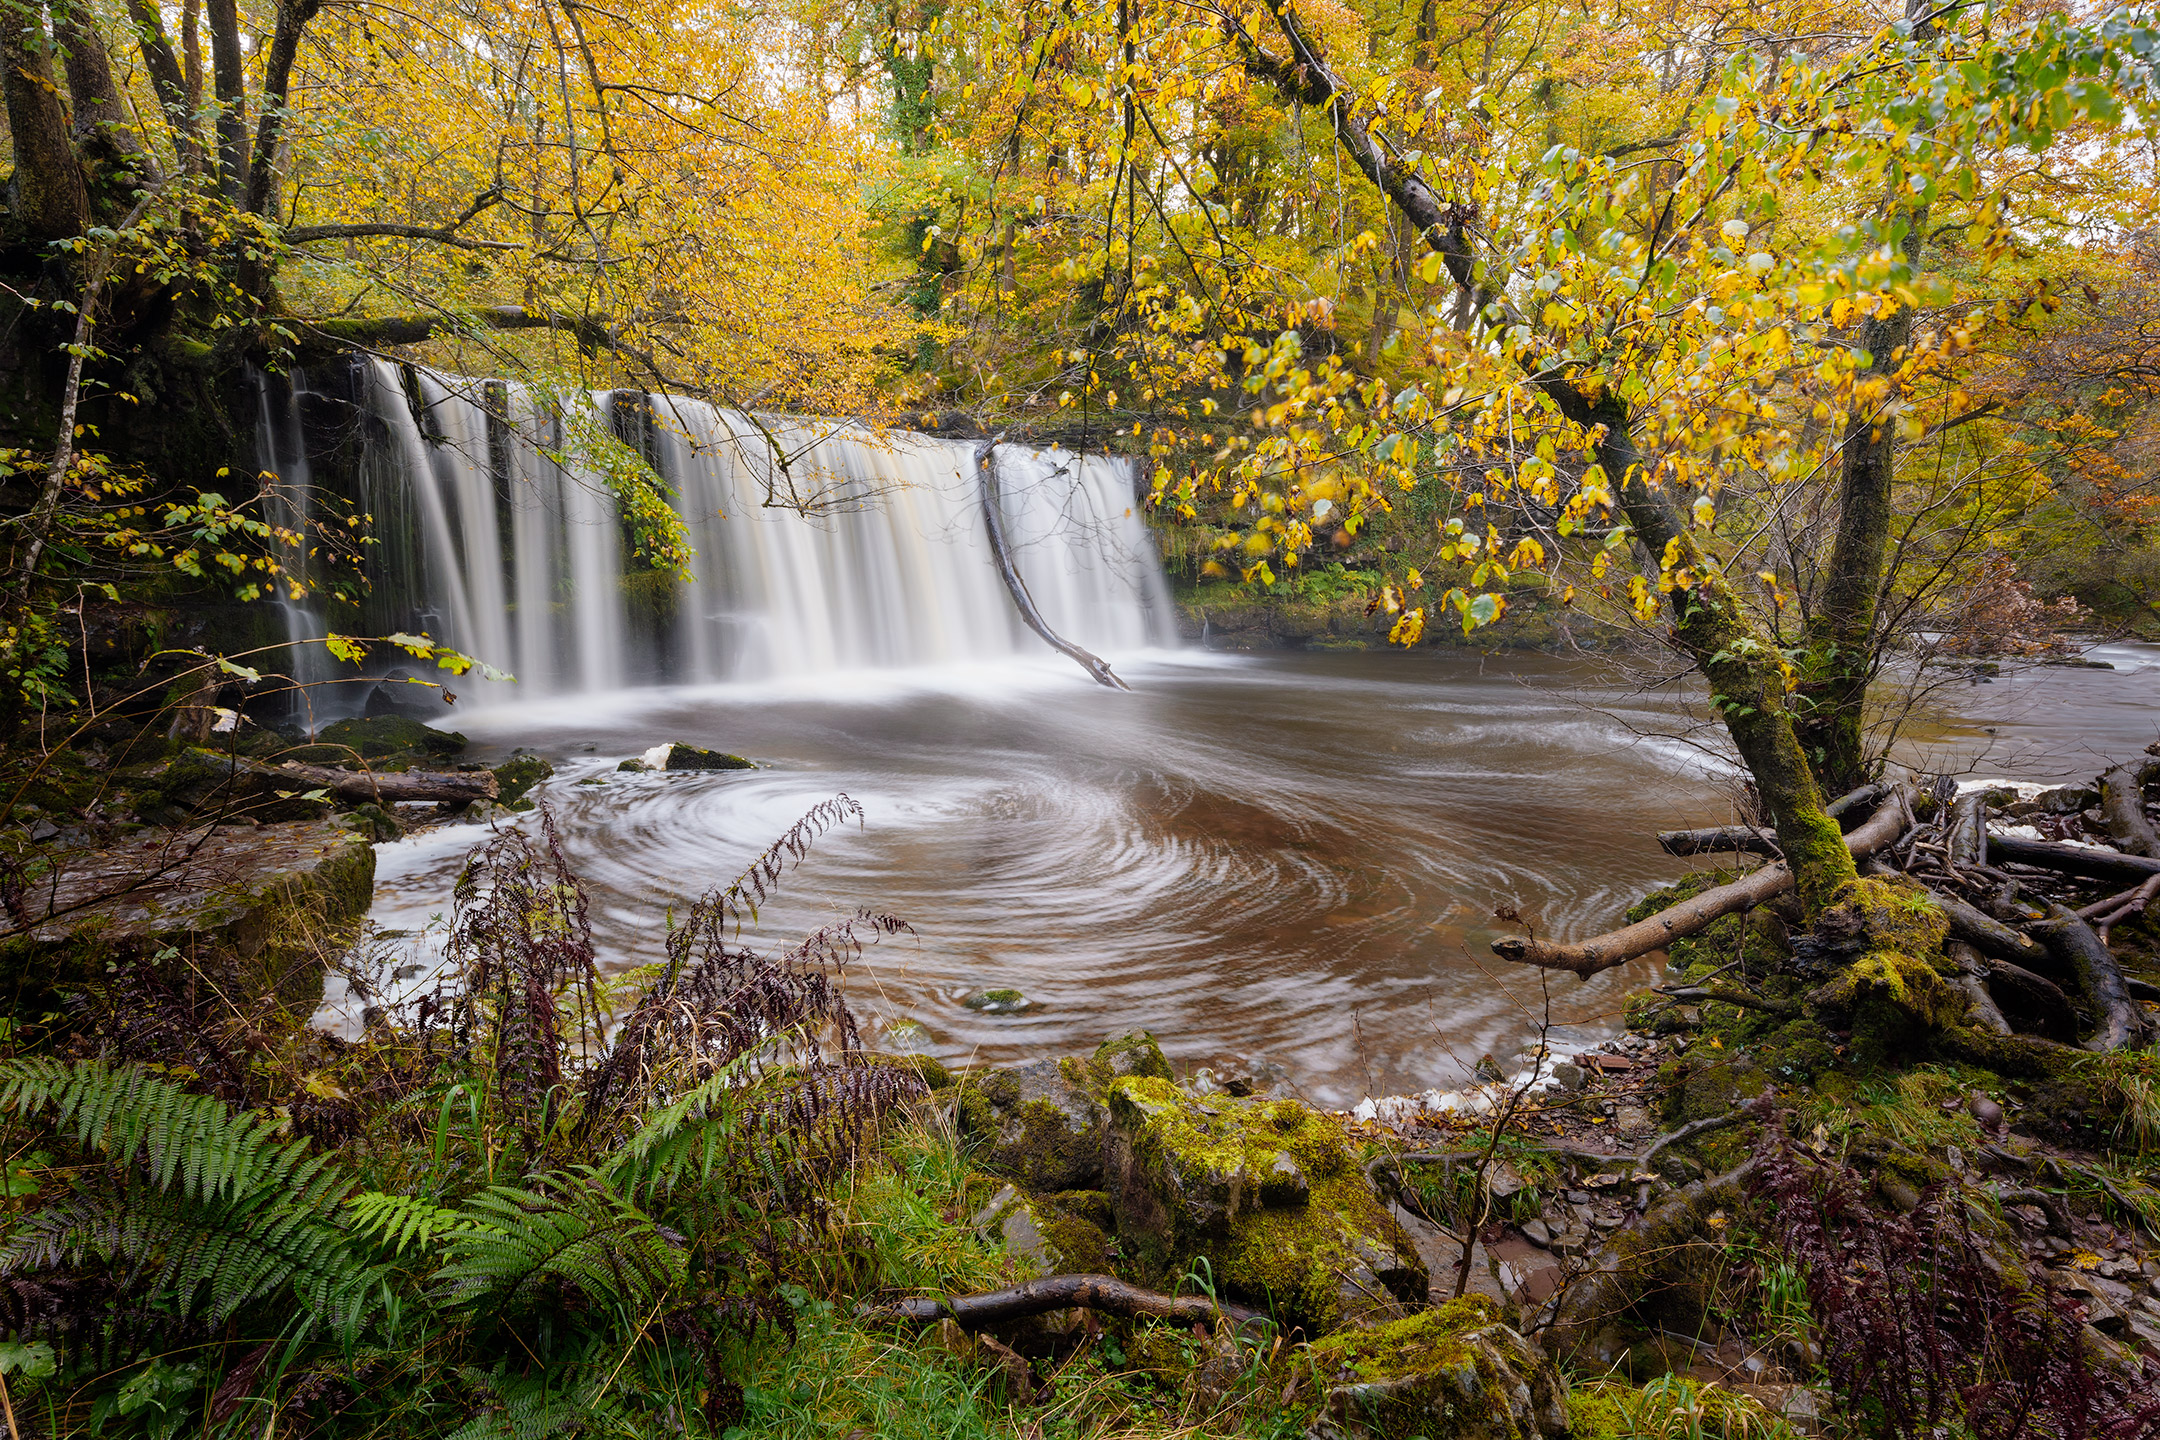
1036, 1124
1267, 1193
1453, 1373
383, 737
256, 910
516, 776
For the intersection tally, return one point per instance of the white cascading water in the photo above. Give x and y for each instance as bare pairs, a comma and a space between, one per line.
891, 566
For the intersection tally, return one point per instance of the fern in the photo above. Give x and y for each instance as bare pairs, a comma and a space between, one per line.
573, 1230
203, 1205
687, 1135
396, 1221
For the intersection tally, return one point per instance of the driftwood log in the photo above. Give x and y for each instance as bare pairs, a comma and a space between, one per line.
1980, 1006
2072, 859
1965, 837
994, 521
2038, 1001
380, 786
1589, 957
1059, 1292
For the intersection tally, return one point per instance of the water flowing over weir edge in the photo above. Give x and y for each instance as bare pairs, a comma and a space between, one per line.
491, 538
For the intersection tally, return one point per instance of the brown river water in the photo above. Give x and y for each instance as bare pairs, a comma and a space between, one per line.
1293, 856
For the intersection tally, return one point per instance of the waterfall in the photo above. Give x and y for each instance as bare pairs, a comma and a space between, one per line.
845, 550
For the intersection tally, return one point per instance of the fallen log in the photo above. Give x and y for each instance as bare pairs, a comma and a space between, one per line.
1988, 934
2071, 859
1677, 922
2120, 1020
389, 786
2122, 804
1756, 839
994, 521
1965, 836
1738, 839
1058, 1292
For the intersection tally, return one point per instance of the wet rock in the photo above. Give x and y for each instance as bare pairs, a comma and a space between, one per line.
678, 756
380, 737
1454, 1373
1193, 1178
257, 909
1568, 1076
517, 776
998, 1002
1048, 1236
1538, 1233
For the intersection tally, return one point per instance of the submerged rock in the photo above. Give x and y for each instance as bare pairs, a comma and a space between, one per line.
998, 1002
1268, 1193
1455, 1373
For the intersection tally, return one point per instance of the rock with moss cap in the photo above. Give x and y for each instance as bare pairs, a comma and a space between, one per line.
1454, 1373
1043, 1122
1891, 985
1268, 1193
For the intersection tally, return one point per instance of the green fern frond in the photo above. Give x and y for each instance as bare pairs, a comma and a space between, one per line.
203, 1205
686, 1136
575, 1231
130, 1114
394, 1222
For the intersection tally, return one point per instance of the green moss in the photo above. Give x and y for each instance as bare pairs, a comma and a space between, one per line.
384, 736
517, 776
1080, 1246
1429, 1340
1888, 913
1218, 1189
1893, 999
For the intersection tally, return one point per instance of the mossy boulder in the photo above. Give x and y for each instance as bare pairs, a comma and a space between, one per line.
1054, 1240
257, 911
1036, 1124
203, 782
1267, 1193
1041, 1124
383, 737
516, 776
1453, 1373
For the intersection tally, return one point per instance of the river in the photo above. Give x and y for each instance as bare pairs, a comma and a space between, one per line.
1293, 856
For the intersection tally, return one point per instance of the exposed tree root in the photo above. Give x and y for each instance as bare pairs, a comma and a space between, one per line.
2120, 1019
1589, 957
1059, 1292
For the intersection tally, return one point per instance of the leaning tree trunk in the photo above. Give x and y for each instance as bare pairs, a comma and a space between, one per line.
52, 201
1710, 625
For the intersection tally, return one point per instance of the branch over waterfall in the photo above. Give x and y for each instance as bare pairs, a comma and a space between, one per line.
994, 522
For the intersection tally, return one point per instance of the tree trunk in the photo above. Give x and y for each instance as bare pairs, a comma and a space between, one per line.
1710, 626
102, 121
228, 75
1831, 703
167, 82
52, 200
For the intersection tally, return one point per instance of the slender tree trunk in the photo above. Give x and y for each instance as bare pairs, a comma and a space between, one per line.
1841, 638
228, 74
175, 91
52, 200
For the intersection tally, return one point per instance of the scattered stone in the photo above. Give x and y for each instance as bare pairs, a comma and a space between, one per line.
1453, 1373
1538, 1233
518, 775
996, 1002
1568, 1076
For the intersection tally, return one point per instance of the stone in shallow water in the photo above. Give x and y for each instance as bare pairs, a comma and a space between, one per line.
998, 1002
677, 756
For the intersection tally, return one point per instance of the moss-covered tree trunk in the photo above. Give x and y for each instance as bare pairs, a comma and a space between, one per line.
1842, 640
